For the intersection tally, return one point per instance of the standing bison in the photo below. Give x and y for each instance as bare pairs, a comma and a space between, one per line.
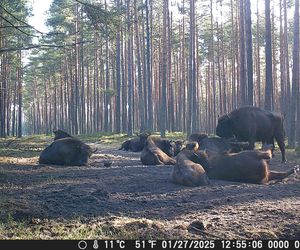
253, 124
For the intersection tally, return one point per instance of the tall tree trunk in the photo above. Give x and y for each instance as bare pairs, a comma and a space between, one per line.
243, 83
224, 81
258, 60
212, 60
163, 111
139, 69
295, 80
20, 92
76, 75
149, 66
233, 52
82, 64
268, 52
192, 72
248, 24
118, 76
107, 105
287, 70
129, 73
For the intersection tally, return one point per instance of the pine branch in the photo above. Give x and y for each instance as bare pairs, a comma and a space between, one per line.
28, 25
88, 4
16, 27
42, 46
9, 26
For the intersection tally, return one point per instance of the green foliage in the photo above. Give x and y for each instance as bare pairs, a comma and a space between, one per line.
106, 20
14, 10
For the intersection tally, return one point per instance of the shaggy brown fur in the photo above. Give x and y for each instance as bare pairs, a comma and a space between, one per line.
188, 170
217, 144
252, 124
135, 144
248, 166
58, 134
66, 151
178, 146
157, 152
198, 137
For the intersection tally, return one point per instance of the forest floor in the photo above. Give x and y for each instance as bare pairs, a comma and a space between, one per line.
132, 201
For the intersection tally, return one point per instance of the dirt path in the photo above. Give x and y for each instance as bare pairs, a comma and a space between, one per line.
128, 194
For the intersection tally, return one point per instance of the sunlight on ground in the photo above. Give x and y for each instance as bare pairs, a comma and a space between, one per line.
263, 216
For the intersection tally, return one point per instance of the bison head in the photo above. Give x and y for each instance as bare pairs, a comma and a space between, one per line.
58, 134
224, 127
201, 157
178, 145
168, 147
143, 137
198, 137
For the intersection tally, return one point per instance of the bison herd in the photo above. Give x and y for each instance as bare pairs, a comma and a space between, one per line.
230, 156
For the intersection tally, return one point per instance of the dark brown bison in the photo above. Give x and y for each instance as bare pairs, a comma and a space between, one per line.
197, 137
157, 151
253, 124
135, 144
248, 166
178, 146
217, 144
58, 134
189, 168
220, 145
66, 151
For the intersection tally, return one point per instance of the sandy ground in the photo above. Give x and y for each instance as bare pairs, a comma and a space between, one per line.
128, 194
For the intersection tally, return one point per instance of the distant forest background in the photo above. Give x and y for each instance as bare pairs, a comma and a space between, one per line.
147, 65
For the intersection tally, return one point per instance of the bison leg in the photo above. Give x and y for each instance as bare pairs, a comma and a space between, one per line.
151, 159
280, 142
166, 160
274, 175
157, 161
125, 145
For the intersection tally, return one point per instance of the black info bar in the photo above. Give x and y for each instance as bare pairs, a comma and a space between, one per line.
148, 244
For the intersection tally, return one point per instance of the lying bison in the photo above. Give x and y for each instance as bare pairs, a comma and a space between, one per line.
136, 144
198, 137
157, 151
220, 145
58, 134
248, 166
253, 124
178, 146
66, 151
189, 168
217, 144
